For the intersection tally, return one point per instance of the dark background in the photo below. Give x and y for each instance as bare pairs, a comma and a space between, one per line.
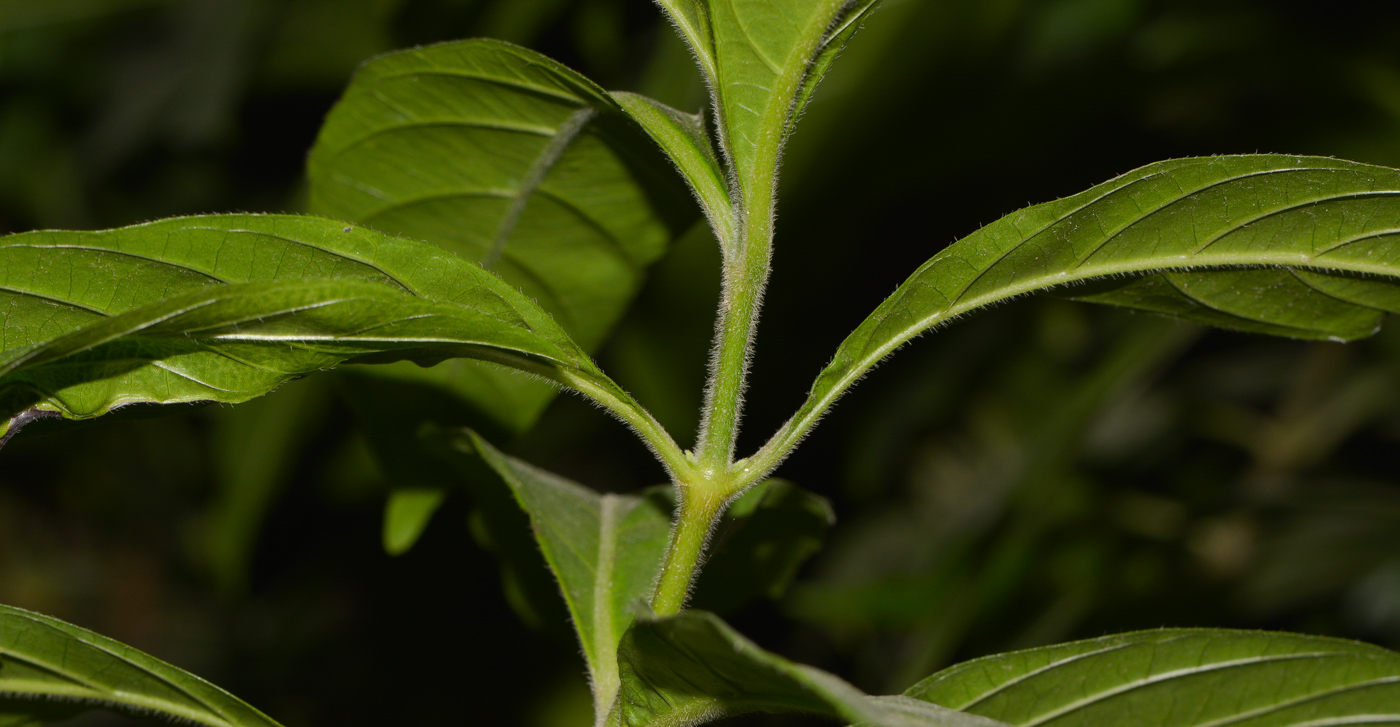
1041, 472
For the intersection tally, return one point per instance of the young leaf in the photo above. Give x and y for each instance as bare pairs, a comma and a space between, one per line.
763, 59
1293, 246
694, 668
604, 549
51, 670
684, 138
1176, 678
226, 308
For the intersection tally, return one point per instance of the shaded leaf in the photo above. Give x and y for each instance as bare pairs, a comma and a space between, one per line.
605, 550
1179, 677
694, 668
757, 548
226, 308
407, 515
1295, 246
50, 669
508, 158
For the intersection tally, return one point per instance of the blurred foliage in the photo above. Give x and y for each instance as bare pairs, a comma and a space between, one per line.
1046, 471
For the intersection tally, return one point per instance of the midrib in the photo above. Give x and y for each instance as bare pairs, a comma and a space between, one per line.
605, 677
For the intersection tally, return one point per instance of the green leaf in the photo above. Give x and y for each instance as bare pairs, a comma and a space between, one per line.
685, 140
692, 21
50, 669
694, 668
757, 548
1294, 246
508, 158
604, 549
763, 60
226, 308
842, 28
407, 515
499, 525
1179, 677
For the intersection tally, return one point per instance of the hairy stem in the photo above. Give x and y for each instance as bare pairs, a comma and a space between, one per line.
745, 277
701, 505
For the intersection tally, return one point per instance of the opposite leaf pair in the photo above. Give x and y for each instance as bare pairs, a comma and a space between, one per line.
692, 668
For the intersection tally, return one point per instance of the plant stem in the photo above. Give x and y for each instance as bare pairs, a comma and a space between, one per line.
745, 277
701, 506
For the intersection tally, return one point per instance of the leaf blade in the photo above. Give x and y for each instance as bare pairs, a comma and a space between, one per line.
685, 141
511, 159
547, 180
225, 308
693, 667
1179, 677
604, 550
1223, 240
46, 659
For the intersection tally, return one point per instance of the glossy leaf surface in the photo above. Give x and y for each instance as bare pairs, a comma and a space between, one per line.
226, 308
1303, 247
50, 670
510, 159
1176, 678
694, 668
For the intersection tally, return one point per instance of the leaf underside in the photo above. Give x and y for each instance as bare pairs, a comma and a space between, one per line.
226, 308
52, 670
763, 59
509, 159
1303, 247
604, 549
694, 668
1179, 678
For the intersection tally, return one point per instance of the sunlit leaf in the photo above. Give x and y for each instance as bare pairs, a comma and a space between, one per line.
226, 308
1303, 247
1179, 677
50, 670
694, 668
